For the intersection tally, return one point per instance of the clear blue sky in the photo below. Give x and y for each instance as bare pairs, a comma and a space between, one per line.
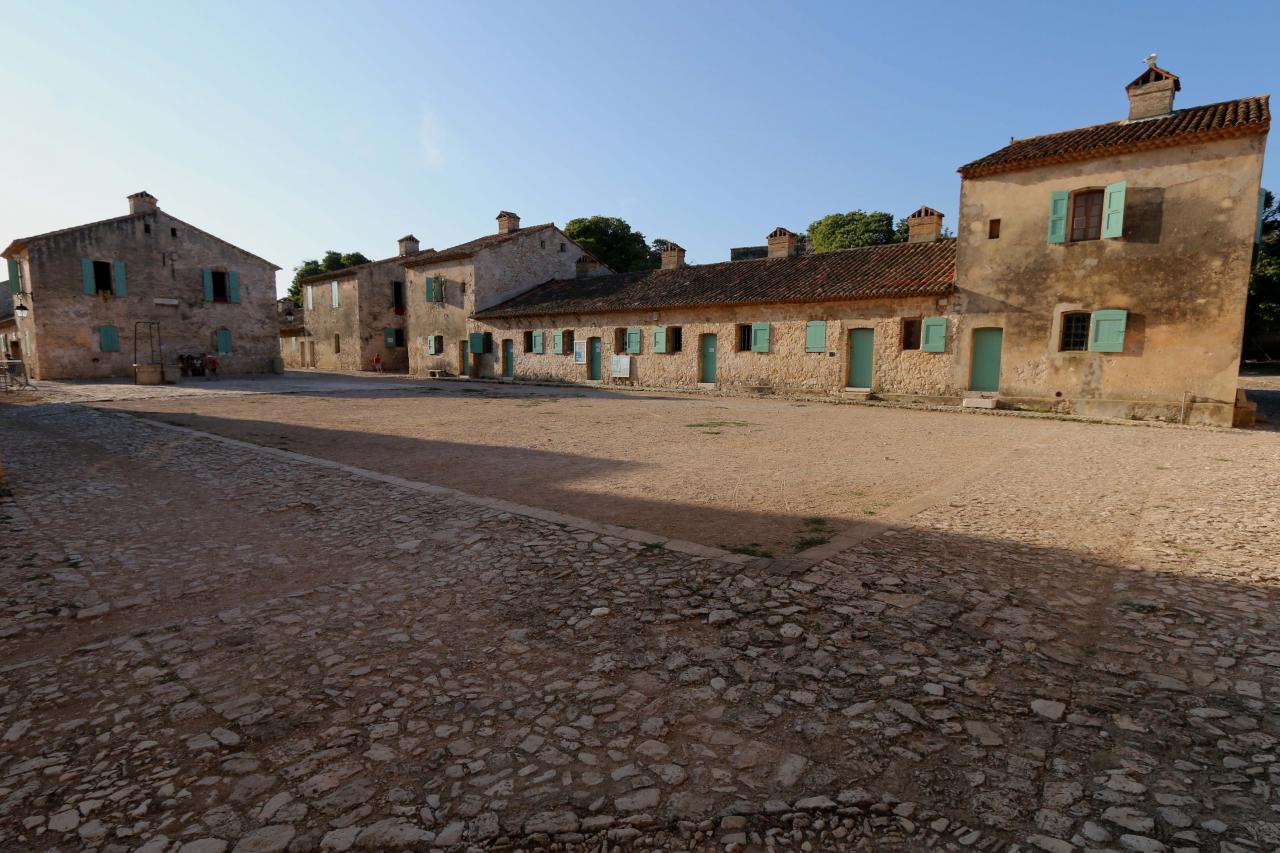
291, 128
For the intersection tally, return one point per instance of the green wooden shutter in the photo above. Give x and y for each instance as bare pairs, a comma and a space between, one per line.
224, 340
1113, 211
557, 343
477, 342
206, 276
439, 290
389, 337
121, 289
815, 336
233, 287
539, 342
108, 339
759, 337
1058, 204
86, 271
431, 289
1106, 330
933, 334
659, 338
635, 336
15, 276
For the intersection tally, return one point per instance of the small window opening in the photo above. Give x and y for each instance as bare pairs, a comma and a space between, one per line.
488, 341
219, 286
399, 338
1086, 215
1075, 332
744, 337
439, 345
675, 338
620, 340
563, 247
146, 228
567, 342
173, 232
543, 243
993, 229
528, 341
911, 333
337, 344
397, 297
102, 276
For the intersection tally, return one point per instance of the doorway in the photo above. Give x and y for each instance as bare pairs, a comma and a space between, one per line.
593, 358
508, 358
861, 354
462, 358
707, 359
984, 371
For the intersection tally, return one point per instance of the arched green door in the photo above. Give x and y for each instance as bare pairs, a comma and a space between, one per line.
984, 370
707, 358
593, 358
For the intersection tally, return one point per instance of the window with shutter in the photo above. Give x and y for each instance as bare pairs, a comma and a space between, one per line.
311, 294
659, 338
759, 337
635, 336
476, 342
108, 339
815, 336
224, 340
439, 344
1113, 211
86, 273
1106, 333
333, 293
557, 343
389, 337
933, 334
15, 276
1059, 203
539, 342
233, 287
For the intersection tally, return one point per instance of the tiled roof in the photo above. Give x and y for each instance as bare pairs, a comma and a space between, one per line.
346, 272
463, 250
897, 269
1181, 127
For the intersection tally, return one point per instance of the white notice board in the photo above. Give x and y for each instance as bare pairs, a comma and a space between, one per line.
620, 366
579, 352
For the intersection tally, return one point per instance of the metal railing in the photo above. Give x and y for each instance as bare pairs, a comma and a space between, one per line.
13, 375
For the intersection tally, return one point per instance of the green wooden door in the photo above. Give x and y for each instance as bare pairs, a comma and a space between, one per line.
984, 372
707, 359
593, 358
861, 345
508, 358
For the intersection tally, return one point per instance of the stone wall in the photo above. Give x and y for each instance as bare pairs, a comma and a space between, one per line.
1180, 269
786, 367
163, 257
447, 319
324, 322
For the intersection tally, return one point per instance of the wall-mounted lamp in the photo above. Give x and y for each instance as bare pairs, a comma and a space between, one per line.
20, 310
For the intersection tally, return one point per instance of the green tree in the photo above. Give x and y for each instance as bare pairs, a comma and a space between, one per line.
612, 242
856, 228
1262, 310
332, 262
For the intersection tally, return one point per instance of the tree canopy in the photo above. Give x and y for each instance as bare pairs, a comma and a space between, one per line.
856, 228
1262, 311
613, 243
331, 262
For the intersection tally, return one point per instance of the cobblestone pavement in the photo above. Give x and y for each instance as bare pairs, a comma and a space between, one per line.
208, 647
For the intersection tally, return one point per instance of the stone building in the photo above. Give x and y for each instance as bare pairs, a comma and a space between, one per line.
449, 287
354, 315
85, 291
852, 321
1096, 271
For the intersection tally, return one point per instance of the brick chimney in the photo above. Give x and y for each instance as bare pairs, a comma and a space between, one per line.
143, 202
924, 226
1151, 95
672, 257
782, 243
408, 245
586, 266
508, 222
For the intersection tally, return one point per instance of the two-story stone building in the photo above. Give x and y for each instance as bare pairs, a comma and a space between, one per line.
1098, 271
85, 294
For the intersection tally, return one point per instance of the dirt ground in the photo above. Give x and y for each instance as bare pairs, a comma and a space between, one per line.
762, 476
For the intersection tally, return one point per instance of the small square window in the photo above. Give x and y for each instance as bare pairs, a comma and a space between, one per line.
542, 243
1075, 332
564, 247
173, 232
528, 341
993, 229
744, 337
675, 339
620, 340
146, 228
911, 333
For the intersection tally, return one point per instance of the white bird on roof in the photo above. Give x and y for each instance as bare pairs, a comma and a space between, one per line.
1150, 60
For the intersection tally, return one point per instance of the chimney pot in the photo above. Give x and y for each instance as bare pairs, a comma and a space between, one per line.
924, 226
672, 257
782, 243
1151, 94
143, 202
408, 245
508, 222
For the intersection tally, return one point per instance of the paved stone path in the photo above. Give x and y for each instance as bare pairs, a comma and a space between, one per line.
206, 647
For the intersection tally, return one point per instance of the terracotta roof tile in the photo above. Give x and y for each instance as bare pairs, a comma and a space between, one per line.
470, 247
1181, 127
897, 269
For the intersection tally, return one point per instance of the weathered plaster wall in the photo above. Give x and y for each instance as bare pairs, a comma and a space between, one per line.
448, 318
1181, 271
786, 367
378, 314
514, 266
60, 335
324, 321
